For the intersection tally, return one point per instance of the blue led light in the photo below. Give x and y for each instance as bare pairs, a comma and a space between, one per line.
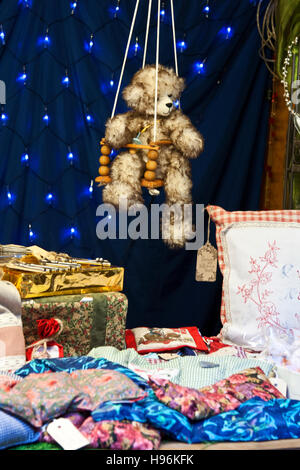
73, 5
70, 156
49, 197
66, 81
25, 158
2, 36
111, 83
4, 117
162, 13
200, 67
89, 118
9, 195
46, 39
181, 45
46, 118
22, 77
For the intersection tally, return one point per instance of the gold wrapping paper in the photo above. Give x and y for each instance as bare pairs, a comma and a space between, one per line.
46, 284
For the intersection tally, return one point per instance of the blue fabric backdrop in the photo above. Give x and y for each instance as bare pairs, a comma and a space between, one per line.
46, 166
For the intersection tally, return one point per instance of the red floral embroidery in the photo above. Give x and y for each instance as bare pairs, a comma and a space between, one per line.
256, 292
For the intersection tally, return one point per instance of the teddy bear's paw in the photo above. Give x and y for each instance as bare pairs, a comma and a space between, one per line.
121, 196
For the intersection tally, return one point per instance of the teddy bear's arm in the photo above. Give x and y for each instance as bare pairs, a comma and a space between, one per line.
185, 137
119, 131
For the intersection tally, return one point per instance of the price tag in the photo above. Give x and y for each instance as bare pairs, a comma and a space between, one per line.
66, 434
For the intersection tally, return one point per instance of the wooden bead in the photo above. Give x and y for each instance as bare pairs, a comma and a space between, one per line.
104, 160
149, 175
105, 150
153, 154
151, 165
132, 151
104, 170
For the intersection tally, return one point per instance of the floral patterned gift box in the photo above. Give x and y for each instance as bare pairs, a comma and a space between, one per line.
88, 322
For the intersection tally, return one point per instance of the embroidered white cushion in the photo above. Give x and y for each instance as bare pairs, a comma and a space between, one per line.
259, 257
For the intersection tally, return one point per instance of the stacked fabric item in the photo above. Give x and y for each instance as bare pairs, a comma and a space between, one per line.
113, 407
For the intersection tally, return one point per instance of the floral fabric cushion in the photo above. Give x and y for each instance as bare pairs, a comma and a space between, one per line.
39, 398
120, 435
225, 395
145, 340
259, 257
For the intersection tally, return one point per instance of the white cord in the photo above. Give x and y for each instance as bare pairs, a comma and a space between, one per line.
156, 72
125, 57
147, 32
174, 37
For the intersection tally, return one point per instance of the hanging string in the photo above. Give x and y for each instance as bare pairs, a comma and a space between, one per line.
156, 71
174, 37
147, 32
125, 57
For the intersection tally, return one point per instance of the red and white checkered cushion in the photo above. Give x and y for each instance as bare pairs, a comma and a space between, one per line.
225, 220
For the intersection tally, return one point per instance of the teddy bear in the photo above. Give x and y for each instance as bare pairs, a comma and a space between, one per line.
137, 125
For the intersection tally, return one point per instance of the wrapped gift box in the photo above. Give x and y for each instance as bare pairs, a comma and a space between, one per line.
93, 320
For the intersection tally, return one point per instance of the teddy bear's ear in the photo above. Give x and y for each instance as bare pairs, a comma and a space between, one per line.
133, 94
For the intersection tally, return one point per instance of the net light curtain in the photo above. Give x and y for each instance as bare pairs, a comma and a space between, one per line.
60, 62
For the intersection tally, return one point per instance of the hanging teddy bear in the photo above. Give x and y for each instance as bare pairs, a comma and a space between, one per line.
173, 164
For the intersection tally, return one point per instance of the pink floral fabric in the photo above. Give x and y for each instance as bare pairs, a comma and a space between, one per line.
120, 435
225, 395
39, 398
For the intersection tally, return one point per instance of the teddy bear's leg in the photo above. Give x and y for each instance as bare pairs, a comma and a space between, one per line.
126, 173
177, 228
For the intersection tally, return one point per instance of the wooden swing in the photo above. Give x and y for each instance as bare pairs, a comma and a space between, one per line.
149, 180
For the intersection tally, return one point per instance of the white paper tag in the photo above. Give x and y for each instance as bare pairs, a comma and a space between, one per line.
279, 384
64, 432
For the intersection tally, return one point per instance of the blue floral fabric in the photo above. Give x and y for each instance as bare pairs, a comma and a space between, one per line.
253, 420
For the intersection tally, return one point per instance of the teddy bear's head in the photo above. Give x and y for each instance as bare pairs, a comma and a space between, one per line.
140, 93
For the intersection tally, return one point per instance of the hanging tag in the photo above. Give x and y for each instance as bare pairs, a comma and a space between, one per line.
64, 432
207, 260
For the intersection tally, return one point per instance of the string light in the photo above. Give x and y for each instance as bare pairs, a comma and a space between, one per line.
46, 39
200, 67
4, 117
2, 34
91, 43
284, 81
117, 9
49, 198
73, 7
91, 188
89, 118
206, 9
25, 158
23, 76
66, 81
70, 156
162, 11
181, 45
73, 232
31, 233
9, 196
46, 117
136, 46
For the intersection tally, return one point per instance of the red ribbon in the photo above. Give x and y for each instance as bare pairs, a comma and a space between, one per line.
47, 327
